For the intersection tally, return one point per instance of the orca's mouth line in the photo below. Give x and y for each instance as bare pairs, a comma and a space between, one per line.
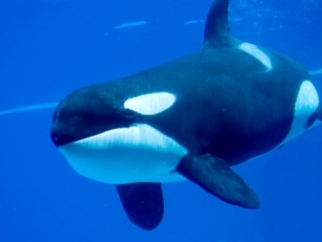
139, 137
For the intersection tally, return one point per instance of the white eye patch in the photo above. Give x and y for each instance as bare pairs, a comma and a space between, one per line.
257, 54
150, 104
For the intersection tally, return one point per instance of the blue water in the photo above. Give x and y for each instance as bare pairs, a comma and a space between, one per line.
49, 48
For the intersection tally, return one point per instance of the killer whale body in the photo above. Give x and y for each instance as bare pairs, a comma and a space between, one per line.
191, 118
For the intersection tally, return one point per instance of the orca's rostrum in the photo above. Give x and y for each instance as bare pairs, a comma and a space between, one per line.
190, 118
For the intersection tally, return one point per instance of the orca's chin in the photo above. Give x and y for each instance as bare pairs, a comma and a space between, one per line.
126, 155
60, 139
55, 139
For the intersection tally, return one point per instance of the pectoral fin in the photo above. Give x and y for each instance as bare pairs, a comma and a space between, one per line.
215, 176
143, 203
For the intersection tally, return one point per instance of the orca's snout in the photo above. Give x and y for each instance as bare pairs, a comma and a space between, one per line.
55, 138
53, 135
56, 134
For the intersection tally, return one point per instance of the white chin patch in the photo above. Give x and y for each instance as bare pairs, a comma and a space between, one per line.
126, 155
257, 54
306, 103
150, 104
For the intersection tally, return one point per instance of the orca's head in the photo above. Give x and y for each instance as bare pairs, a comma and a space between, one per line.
87, 112
106, 138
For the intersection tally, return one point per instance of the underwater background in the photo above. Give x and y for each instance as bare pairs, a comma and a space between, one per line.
50, 48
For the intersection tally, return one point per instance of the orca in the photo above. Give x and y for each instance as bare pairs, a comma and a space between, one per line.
192, 118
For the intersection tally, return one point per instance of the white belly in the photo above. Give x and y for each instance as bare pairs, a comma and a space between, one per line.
126, 155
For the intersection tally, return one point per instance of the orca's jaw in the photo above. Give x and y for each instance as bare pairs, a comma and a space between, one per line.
139, 153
